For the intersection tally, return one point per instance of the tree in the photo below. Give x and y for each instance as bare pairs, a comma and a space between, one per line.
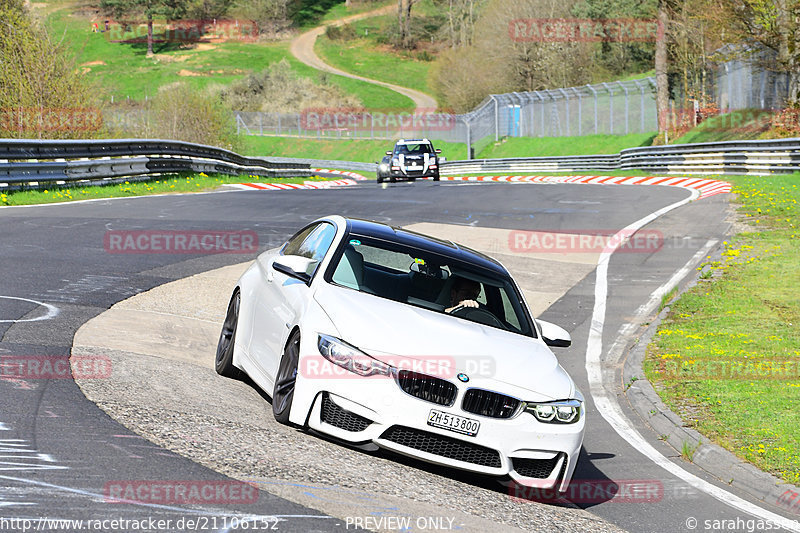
623, 56
172, 9
207, 9
42, 94
662, 83
272, 16
404, 21
461, 17
500, 61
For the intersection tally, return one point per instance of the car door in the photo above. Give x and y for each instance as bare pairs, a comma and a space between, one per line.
284, 298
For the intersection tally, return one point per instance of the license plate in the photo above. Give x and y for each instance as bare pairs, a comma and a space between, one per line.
414, 167
459, 424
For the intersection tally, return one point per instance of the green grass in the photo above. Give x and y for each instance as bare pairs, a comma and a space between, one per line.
743, 124
557, 146
361, 151
372, 150
639, 76
179, 183
124, 70
361, 56
367, 56
339, 10
744, 318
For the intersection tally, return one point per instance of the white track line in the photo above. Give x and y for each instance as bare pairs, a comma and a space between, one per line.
610, 410
188, 510
52, 310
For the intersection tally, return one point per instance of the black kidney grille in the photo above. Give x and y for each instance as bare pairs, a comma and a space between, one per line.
428, 388
488, 403
535, 468
454, 449
336, 416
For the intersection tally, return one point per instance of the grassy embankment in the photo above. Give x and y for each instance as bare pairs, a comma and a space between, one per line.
163, 185
727, 358
122, 70
371, 151
366, 55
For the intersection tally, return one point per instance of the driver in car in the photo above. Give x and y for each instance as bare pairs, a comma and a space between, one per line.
463, 293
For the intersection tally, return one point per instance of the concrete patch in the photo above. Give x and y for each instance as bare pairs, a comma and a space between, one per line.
162, 344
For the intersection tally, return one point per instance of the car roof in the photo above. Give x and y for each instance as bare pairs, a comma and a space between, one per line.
425, 243
412, 141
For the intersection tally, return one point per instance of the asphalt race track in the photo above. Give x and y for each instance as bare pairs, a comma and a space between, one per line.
60, 453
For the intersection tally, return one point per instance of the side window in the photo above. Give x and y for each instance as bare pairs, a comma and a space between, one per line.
313, 242
510, 313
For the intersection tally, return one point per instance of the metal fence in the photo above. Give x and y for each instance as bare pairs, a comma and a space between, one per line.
607, 108
615, 108
748, 82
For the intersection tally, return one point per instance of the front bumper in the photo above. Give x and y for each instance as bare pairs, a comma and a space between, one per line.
377, 411
412, 174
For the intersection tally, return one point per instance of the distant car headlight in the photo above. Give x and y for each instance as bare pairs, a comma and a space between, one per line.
342, 354
383, 166
558, 412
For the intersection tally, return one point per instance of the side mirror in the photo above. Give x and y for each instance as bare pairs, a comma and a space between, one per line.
438, 150
554, 336
389, 152
296, 267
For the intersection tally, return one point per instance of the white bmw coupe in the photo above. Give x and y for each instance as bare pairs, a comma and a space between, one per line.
382, 337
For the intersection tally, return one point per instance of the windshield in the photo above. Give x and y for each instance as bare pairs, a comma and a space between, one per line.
435, 282
413, 148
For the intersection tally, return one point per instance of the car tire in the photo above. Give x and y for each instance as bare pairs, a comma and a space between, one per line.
412, 179
283, 393
380, 179
223, 362
392, 179
436, 177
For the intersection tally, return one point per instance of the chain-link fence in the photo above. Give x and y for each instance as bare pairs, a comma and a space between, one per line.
616, 108
750, 83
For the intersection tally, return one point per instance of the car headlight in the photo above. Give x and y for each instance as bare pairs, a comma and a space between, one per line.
557, 412
342, 354
384, 166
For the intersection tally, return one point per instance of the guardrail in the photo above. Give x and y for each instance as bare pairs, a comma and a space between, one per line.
30, 162
759, 157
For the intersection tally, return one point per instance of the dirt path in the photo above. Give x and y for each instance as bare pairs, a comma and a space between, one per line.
302, 48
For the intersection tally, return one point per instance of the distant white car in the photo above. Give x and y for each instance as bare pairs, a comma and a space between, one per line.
382, 337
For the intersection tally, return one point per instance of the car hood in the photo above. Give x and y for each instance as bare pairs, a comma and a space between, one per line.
387, 330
